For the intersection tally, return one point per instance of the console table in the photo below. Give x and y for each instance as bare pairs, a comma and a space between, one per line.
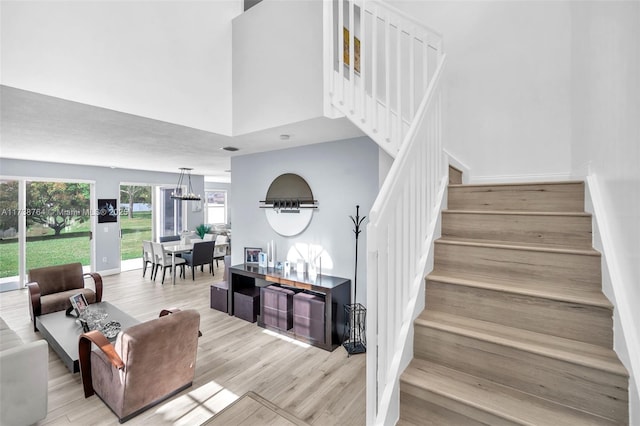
335, 290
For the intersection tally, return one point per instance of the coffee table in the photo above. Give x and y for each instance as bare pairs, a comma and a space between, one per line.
62, 332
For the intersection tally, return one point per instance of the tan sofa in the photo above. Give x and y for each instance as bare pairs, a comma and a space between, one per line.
24, 379
147, 364
50, 288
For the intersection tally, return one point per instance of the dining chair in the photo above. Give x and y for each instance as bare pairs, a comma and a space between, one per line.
148, 257
202, 254
220, 251
163, 260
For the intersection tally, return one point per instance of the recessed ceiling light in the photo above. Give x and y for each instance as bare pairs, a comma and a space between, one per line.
285, 137
230, 148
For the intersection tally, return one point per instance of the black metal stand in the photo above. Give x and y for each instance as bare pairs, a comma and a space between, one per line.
355, 338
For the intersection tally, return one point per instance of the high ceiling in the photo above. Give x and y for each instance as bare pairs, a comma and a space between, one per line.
44, 128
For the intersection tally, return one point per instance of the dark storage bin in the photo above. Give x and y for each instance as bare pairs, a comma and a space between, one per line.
219, 296
308, 316
277, 307
246, 303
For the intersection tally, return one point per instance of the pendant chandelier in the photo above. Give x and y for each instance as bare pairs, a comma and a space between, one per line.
179, 193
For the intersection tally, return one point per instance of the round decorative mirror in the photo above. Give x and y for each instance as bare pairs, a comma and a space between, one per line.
289, 204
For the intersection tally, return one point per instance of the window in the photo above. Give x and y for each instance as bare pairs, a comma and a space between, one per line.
216, 207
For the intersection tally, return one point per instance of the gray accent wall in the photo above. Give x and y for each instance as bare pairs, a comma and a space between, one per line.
341, 174
107, 185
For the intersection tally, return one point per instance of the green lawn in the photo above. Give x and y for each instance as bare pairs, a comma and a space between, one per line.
56, 251
133, 232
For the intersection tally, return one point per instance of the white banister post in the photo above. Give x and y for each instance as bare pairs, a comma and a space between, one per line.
372, 327
399, 78
374, 69
329, 57
364, 41
352, 58
425, 62
341, 49
412, 77
387, 71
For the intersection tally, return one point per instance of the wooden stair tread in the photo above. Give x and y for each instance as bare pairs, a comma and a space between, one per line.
520, 246
571, 351
499, 400
585, 296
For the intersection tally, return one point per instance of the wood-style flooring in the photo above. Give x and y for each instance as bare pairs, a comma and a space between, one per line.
234, 357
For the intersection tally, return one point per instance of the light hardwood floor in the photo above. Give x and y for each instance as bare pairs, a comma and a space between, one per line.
234, 357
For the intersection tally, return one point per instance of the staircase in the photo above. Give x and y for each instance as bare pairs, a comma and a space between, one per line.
516, 330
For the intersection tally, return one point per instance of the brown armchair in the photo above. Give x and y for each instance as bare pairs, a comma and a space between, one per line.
50, 288
147, 364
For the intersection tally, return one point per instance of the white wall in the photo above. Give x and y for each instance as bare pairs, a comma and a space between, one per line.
166, 60
507, 84
107, 185
277, 65
341, 174
606, 143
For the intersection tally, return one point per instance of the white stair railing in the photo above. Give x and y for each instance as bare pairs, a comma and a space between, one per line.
395, 60
391, 92
400, 235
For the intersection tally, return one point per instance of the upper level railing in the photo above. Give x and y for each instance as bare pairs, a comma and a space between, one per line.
395, 60
391, 91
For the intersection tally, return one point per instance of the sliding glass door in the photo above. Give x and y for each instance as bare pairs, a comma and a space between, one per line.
10, 226
135, 222
43, 223
147, 213
58, 224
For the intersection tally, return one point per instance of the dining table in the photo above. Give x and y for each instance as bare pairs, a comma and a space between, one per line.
175, 249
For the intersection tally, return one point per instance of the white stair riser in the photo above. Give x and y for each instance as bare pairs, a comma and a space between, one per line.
584, 388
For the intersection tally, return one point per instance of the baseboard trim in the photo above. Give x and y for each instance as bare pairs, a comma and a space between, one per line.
626, 341
9, 286
107, 272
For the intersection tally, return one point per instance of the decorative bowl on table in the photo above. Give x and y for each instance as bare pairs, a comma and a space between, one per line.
111, 329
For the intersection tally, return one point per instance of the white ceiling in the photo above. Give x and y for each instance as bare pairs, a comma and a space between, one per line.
44, 128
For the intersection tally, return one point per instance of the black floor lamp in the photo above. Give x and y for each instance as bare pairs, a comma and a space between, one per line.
355, 339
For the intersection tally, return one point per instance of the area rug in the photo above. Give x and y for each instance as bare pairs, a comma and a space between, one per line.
253, 410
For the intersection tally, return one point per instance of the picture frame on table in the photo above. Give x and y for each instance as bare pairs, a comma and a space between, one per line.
79, 303
252, 255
